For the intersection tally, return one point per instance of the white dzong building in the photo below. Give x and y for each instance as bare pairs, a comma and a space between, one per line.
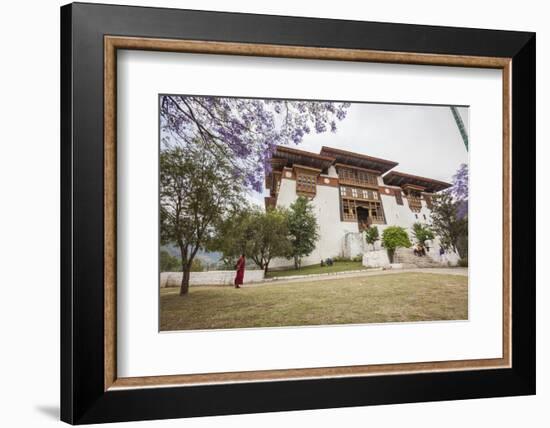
349, 192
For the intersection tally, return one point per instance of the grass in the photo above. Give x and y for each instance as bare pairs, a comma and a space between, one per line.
366, 299
313, 269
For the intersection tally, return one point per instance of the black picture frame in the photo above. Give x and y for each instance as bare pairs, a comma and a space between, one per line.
83, 399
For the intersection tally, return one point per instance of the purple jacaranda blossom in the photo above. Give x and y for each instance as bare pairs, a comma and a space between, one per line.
242, 130
459, 190
460, 183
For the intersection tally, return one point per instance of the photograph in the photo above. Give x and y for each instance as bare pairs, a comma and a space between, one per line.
288, 212
273, 213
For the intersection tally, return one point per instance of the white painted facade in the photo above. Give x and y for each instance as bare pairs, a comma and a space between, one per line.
326, 207
339, 238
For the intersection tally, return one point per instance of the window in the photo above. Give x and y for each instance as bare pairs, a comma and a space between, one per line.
356, 177
371, 212
348, 210
414, 201
358, 193
424, 215
306, 184
398, 197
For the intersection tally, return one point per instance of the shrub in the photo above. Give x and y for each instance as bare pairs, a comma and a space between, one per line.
372, 235
422, 233
394, 237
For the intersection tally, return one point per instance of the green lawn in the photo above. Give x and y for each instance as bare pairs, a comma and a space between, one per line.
313, 269
368, 299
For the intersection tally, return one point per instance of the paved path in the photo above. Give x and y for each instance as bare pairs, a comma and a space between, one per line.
354, 274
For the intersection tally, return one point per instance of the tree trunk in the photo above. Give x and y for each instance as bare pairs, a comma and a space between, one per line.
185, 268
184, 289
296, 263
391, 254
266, 266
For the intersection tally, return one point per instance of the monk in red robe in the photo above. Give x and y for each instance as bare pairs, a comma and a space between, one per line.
240, 271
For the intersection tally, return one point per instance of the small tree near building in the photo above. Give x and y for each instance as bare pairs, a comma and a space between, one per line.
302, 228
422, 233
450, 227
232, 232
260, 236
395, 237
372, 235
267, 237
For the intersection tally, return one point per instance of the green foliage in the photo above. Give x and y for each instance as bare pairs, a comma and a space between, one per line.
394, 237
231, 235
372, 235
197, 266
169, 263
450, 227
259, 235
422, 233
196, 190
267, 237
302, 229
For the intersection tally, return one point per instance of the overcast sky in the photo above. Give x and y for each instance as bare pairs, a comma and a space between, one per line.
425, 140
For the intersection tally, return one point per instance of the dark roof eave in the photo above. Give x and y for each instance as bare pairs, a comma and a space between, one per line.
396, 178
357, 159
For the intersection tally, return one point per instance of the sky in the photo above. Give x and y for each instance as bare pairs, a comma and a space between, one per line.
424, 140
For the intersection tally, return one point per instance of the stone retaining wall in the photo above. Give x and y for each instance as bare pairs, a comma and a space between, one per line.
376, 259
215, 277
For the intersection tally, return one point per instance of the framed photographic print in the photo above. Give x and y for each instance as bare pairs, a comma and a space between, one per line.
266, 213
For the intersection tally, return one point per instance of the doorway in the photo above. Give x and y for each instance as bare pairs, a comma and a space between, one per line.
363, 218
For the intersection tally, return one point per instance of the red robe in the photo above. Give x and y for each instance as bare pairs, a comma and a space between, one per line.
240, 271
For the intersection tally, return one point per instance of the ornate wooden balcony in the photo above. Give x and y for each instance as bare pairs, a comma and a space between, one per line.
415, 203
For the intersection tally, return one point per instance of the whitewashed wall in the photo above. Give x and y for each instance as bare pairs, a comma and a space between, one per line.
376, 258
332, 230
215, 277
340, 238
401, 215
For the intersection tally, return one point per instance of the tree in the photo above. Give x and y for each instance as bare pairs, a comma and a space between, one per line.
302, 228
422, 233
260, 236
395, 237
267, 237
232, 234
196, 189
372, 235
459, 190
244, 131
450, 214
451, 229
